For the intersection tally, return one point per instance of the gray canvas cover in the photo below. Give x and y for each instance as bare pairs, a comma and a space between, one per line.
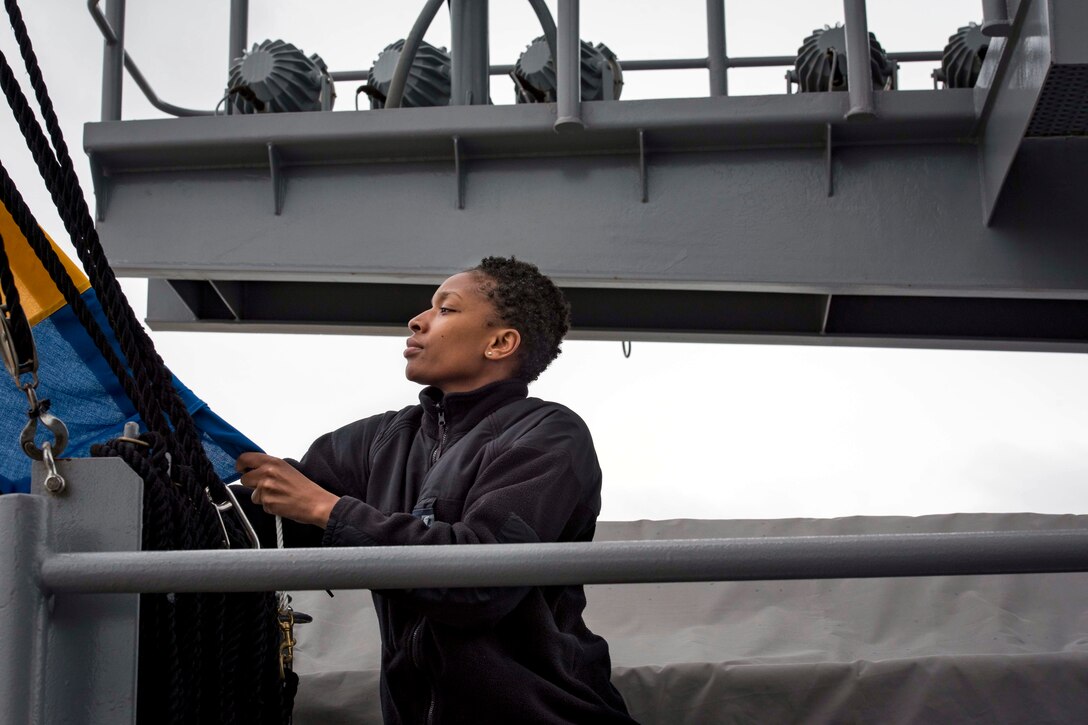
957, 649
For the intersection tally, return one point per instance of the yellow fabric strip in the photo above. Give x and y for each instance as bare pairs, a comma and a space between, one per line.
37, 293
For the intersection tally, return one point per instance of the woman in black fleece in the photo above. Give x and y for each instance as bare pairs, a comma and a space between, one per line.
476, 462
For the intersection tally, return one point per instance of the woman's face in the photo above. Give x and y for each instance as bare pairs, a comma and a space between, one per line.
453, 345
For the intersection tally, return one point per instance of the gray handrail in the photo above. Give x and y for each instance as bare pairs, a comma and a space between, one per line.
134, 71
610, 562
859, 71
568, 69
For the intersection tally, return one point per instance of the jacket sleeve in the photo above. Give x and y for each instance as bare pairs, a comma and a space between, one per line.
339, 463
537, 490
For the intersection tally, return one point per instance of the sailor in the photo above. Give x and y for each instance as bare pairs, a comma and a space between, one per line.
476, 462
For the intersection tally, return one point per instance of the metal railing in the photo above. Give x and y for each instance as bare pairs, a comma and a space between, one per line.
614, 562
717, 61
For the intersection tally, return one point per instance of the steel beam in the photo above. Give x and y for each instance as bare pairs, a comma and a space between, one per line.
616, 562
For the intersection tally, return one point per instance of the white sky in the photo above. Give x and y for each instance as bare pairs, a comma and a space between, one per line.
682, 430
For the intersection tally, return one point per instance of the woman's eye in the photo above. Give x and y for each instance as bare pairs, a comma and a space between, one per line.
444, 310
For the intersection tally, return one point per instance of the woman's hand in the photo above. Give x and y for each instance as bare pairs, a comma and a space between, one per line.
282, 490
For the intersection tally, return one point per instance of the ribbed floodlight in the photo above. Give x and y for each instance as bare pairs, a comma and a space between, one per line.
276, 77
428, 77
963, 58
534, 73
821, 62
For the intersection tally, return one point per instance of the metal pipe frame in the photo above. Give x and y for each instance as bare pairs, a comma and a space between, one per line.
239, 30
859, 72
408, 52
111, 88
113, 57
469, 80
621, 562
111, 84
755, 61
717, 59
568, 63
995, 18
547, 25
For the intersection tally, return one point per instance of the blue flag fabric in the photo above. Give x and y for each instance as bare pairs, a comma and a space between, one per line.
85, 395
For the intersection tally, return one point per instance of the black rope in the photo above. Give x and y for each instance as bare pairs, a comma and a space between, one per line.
56, 168
203, 657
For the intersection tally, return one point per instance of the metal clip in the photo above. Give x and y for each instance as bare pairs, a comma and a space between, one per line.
219, 509
52, 423
16, 363
288, 618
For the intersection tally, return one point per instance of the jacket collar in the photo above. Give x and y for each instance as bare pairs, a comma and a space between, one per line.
463, 411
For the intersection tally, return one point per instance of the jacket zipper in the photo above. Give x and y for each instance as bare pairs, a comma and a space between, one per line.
413, 643
441, 435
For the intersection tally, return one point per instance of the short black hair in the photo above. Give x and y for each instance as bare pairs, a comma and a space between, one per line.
528, 301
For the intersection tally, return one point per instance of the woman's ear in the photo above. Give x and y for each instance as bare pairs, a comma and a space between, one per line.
504, 343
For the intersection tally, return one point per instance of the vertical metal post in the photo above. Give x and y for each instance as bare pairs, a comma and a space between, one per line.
90, 640
859, 71
715, 48
568, 75
113, 62
469, 57
995, 18
22, 609
239, 30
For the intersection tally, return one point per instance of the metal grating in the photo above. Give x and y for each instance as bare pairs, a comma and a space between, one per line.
1062, 109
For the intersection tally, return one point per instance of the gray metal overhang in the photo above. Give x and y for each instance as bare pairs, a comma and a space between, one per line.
762, 218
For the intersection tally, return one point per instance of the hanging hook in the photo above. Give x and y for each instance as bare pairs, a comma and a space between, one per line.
39, 413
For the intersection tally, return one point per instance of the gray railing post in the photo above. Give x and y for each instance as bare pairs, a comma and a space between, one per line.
113, 61
859, 71
995, 18
469, 80
568, 76
716, 58
239, 30
23, 532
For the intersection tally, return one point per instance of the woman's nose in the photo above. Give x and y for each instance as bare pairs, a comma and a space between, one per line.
416, 323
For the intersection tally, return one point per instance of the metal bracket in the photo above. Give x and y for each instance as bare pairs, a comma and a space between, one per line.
101, 188
279, 183
230, 292
827, 161
643, 183
458, 172
827, 314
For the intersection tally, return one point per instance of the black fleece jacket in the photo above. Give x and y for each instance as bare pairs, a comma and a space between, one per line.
486, 467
